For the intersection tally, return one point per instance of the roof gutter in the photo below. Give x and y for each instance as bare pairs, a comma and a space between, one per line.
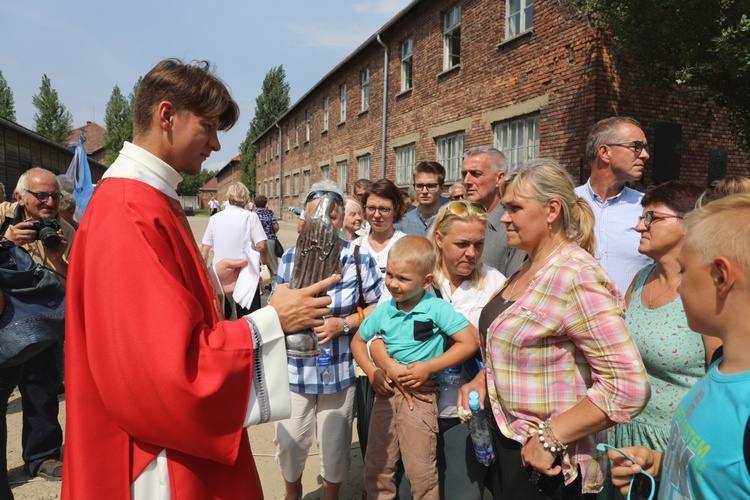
385, 105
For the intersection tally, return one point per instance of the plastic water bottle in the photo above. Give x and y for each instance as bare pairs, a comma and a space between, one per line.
323, 362
452, 376
480, 433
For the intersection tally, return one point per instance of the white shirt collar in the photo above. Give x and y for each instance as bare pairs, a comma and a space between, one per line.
136, 163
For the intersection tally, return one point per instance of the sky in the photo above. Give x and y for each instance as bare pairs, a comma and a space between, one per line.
88, 47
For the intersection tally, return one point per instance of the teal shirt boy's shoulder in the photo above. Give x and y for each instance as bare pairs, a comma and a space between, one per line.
371, 325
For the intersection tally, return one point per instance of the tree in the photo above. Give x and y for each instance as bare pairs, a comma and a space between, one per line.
269, 105
701, 46
190, 184
52, 121
118, 119
7, 104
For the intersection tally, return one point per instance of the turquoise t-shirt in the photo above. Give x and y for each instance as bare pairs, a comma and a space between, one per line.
418, 335
704, 458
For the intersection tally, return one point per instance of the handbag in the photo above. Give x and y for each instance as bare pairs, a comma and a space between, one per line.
278, 250
34, 314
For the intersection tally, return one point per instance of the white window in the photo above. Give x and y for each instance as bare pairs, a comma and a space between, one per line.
308, 125
518, 139
265, 189
307, 180
287, 185
452, 38
278, 187
296, 184
296, 132
325, 113
405, 164
342, 93
363, 163
365, 79
519, 17
407, 56
325, 172
342, 168
450, 154
288, 136
270, 189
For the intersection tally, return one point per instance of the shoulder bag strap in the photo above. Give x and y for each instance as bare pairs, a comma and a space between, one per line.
362, 302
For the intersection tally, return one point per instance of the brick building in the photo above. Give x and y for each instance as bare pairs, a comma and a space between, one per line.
94, 134
228, 175
529, 81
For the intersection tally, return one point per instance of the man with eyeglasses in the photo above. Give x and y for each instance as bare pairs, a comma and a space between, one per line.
456, 192
429, 177
616, 150
37, 195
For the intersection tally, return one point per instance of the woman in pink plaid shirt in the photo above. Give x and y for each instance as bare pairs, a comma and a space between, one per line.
560, 365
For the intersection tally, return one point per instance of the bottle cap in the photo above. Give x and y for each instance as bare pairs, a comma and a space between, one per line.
474, 401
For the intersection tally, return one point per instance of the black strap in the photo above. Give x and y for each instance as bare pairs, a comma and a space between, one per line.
437, 291
717, 354
362, 302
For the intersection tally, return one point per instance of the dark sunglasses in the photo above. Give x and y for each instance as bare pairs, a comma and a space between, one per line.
642, 485
458, 207
314, 195
636, 146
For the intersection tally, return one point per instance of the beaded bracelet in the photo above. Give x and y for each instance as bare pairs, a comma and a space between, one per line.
556, 445
551, 436
540, 433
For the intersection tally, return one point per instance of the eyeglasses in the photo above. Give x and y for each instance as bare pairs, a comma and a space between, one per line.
651, 216
642, 485
383, 210
314, 195
430, 186
457, 197
43, 196
636, 146
460, 207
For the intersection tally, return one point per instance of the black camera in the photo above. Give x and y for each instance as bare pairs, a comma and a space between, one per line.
46, 228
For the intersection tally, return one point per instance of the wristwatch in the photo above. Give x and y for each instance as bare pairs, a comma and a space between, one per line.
346, 326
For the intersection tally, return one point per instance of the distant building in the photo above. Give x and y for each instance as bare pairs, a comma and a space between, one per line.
527, 77
207, 191
94, 134
228, 175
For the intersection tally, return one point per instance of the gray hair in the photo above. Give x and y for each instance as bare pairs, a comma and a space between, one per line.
238, 194
605, 131
352, 204
23, 181
497, 156
324, 185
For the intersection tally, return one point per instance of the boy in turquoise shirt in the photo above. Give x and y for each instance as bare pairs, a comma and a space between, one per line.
415, 327
705, 456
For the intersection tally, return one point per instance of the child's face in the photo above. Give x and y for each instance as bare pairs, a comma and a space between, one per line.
405, 281
697, 291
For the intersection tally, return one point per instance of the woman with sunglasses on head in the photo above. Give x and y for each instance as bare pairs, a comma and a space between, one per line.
560, 365
675, 357
323, 392
457, 235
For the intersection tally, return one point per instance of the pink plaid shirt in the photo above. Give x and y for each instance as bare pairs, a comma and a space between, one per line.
565, 339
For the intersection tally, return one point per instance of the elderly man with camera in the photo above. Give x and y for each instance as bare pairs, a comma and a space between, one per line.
32, 222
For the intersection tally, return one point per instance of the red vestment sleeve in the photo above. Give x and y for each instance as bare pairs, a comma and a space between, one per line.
149, 366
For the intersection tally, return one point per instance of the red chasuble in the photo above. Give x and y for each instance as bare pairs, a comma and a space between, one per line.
149, 364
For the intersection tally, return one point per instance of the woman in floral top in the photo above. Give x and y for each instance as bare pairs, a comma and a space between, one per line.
271, 227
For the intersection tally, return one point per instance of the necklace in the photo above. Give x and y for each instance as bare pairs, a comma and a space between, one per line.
651, 298
512, 294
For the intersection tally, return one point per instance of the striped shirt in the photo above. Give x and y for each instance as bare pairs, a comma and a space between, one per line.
563, 340
303, 372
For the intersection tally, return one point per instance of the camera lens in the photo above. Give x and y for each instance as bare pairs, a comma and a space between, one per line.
49, 237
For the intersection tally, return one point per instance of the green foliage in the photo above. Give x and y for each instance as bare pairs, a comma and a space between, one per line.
273, 102
7, 104
52, 120
118, 119
190, 184
698, 45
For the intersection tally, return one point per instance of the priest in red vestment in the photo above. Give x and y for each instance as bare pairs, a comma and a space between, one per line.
157, 382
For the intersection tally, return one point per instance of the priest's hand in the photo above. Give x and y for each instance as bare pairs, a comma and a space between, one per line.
300, 309
227, 270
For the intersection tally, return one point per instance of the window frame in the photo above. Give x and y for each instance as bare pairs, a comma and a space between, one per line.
525, 147
364, 77
364, 166
524, 17
296, 132
342, 175
342, 103
407, 64
449, 152
325, 172
452, 38
308, 125
405, 163
326, 103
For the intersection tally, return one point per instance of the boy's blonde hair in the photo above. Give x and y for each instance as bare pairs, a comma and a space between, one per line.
721, 228
414, 250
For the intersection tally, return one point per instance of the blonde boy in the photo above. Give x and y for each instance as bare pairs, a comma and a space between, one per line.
415, 327
705, 457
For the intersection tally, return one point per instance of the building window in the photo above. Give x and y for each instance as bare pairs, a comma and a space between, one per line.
308, 125
518, 140
405, 164
270, 189
342, 93
407, 55
325, 113
288, 137
296, 132
364, 76
296, 184
325, 172
278, 187
265, 189
307, 180
363, 164
287, 185
452, 37
450, 154
519, 17
342, 168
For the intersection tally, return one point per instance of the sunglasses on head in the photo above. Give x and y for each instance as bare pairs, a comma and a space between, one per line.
458, 207
642, 485
314, 195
